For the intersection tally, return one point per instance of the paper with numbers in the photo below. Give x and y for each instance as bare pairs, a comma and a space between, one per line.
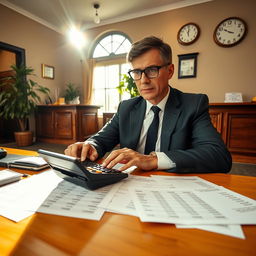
119, 200
205, 206
74, 200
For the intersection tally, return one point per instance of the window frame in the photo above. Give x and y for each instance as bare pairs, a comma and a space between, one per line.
111, 59
110, 56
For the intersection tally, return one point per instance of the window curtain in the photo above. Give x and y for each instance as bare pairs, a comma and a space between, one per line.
88, 67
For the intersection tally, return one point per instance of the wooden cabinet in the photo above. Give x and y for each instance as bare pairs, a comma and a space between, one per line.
66, 124
236, 122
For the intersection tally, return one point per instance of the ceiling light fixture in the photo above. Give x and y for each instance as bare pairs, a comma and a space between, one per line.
96, 17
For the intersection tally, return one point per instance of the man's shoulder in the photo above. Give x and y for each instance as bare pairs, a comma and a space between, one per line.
133, 102
185, 97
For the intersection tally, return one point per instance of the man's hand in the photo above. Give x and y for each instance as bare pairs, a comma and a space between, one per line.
129, 158
82, 150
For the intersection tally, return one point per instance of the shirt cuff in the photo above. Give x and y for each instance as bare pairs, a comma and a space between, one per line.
164, 162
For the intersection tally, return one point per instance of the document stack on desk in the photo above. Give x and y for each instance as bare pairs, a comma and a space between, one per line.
186, 201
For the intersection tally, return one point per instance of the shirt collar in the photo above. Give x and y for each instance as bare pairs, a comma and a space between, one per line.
161, 104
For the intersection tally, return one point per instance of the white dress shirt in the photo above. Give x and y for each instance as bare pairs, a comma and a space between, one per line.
164, 162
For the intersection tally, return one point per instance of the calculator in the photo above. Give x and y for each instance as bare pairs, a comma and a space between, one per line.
91, 173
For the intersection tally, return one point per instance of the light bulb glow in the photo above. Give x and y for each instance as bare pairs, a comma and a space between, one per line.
97, 18
76, 37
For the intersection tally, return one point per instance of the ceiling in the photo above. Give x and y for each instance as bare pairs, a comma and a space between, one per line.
60, 14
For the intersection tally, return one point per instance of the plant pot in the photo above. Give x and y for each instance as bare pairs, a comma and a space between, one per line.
23, 138
75, 101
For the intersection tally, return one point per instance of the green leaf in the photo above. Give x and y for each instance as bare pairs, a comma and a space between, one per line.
19, 94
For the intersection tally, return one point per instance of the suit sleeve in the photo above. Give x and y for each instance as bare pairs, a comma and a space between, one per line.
205, 151
108, 137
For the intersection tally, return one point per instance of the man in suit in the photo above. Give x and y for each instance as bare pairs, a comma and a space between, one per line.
181, 136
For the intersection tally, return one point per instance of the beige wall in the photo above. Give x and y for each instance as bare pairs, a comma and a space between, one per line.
220, 69
42, 45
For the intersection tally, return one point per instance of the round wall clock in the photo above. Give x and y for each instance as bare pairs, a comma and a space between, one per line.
188, 33
230, 32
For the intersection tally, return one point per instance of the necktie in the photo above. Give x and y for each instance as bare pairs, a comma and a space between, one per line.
152, 132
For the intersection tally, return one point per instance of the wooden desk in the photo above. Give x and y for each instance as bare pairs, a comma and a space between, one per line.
121, 235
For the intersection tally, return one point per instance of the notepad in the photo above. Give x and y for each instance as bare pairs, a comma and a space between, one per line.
8, 176
34, 163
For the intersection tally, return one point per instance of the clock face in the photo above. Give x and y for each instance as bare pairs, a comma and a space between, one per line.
188, 34
230, 32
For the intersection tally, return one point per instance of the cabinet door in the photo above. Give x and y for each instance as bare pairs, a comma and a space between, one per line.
242, 133
88, 122
64, 124
45, 124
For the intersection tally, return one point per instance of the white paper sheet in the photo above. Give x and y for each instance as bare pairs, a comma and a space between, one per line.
230, 230
183, 182
21, 199
215, 206
70, 199
119, 199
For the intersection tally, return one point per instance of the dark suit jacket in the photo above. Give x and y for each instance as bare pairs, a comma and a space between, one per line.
188, 137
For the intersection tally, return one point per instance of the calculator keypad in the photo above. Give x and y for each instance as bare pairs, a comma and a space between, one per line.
97, 168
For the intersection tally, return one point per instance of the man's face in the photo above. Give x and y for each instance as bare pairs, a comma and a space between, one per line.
153, 89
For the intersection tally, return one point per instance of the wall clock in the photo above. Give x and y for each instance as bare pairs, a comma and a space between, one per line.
230, 32
188, 33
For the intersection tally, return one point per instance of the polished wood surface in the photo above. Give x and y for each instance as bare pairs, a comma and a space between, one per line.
121, 235
66, 124
236, 122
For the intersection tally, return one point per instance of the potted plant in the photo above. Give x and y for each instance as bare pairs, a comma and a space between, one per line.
72, 94
18, 99
127, 85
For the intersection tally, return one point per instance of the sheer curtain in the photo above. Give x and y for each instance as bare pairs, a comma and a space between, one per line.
106, 77
88, 67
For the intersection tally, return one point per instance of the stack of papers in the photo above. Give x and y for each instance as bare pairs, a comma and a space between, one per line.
186, 201
8, 176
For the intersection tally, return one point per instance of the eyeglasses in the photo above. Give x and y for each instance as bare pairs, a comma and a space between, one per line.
150, 72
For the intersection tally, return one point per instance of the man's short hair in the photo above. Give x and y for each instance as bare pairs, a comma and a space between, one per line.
149, 43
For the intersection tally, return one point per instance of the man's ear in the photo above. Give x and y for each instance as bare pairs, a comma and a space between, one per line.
171, 70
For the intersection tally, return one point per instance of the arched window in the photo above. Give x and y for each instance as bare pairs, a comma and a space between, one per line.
109, 54
111, 45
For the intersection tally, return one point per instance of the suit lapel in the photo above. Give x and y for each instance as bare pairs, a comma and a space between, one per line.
136, 121
171, 114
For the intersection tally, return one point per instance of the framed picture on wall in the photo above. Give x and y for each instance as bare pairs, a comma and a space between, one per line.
47, 71
187, 65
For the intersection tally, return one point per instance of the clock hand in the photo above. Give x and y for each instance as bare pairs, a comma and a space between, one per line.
231, 32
